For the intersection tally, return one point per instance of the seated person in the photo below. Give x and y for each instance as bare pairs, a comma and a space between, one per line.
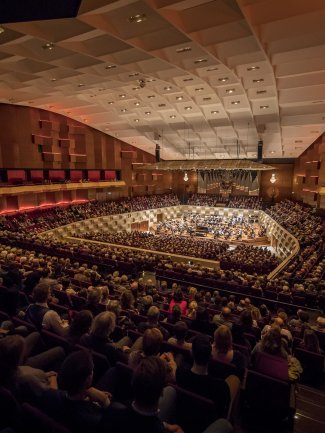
280, 364
223, 351
153, 322
22, 374
310, 342
40, 314
77, 404
80, 325
177, 299
100, 341
197, 379
174, 316
148, 414
149, 345
180, 332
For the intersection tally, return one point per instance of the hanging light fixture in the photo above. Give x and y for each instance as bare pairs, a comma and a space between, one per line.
185, 177
273, 178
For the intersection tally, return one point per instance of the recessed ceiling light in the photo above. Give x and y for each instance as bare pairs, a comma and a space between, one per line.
106, 129
68, 112
136, 120
147, 112
81, 85
110, 102
179, 98
137, 104
161, 105
263, 107
167, 88
135, 74
53, 79
214, 112
223, 79
215, 68
208, 98
272, 151
253, 68
138, 18
187, 79
49, 46
259, 92
172, 116
151, 96
199, 89
136, 88
230, 90
188, 108
122, 96
298, 141
183, 50
235, 102
200, 61
124, 110
150, 80
110, 66
258, 80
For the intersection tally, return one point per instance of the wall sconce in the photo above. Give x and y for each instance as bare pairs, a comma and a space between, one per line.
273, 178
185, 177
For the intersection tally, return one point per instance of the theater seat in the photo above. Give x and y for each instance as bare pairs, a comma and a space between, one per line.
37, 421
9, 408
313, 366
193, 412
267, 400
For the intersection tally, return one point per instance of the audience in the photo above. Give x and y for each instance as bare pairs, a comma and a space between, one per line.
44, 266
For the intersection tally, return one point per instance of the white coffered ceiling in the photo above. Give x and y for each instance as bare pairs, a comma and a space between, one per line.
213, 72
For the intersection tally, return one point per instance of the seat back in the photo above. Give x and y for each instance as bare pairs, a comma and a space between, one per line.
176, 350
312, 364
266, 398
134, 335
37, 421
77, 302
101, 363
62, 296
20, 322
272, 366
124, 382
51, 339
193, 412
221, 370
10, 409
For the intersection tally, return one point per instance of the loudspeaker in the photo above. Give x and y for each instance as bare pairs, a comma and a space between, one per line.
260, 151
157, 152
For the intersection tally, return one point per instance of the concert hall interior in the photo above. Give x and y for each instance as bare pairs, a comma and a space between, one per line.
162, 216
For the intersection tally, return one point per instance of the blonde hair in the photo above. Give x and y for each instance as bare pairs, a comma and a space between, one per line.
103, 324
192, 291
256, 314
222, 339
192, 309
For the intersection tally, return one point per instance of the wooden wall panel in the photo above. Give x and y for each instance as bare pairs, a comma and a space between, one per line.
36, 139
280, 190
309, 174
